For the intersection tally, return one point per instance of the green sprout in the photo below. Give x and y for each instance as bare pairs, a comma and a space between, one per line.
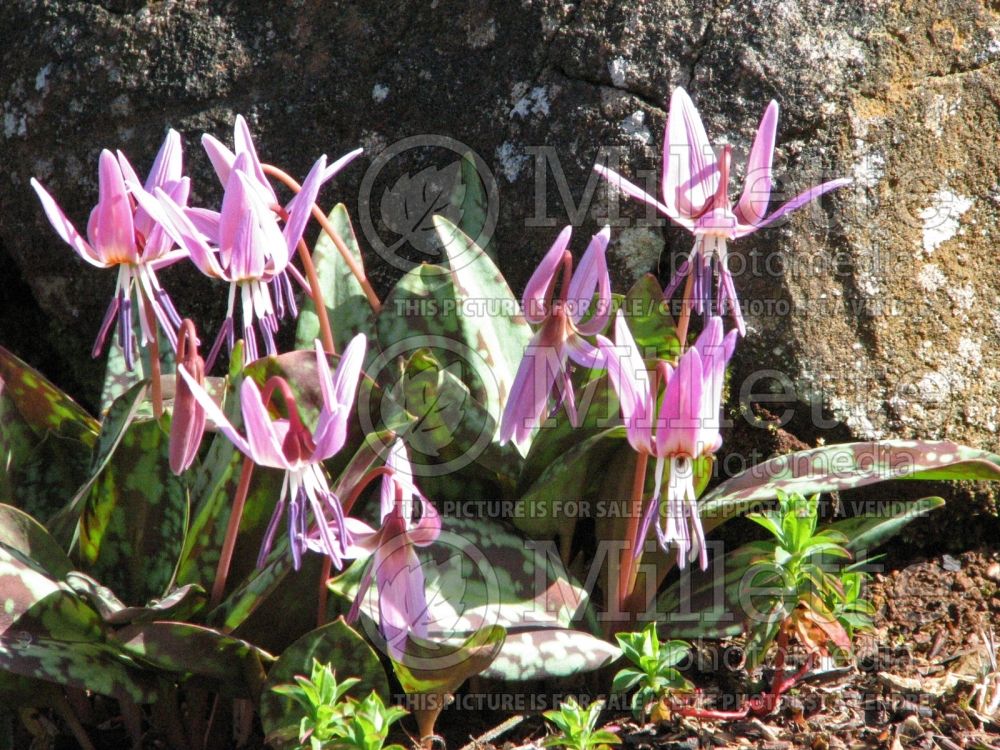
656, 675
335, 722
578, 727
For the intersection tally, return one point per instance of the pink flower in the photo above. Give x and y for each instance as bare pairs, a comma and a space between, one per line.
285, 443
409, 520
696, 196
544, 366
243, 243
120, 234
686, 427
187, 422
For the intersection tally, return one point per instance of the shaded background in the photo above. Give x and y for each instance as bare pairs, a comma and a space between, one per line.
875, 311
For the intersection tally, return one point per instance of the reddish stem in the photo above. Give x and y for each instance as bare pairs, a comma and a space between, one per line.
229, 543
687, 304
324, 576
629, 561
356, 269
154, 356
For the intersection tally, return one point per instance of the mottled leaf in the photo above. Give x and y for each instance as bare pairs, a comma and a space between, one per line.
478, 574
473, 203
22, 533
336, 644
649, 320
134, 517
119, 380
550, 652
347, 306
231, 666
843, 467
408, 205
435, 669
45, 440
179, 604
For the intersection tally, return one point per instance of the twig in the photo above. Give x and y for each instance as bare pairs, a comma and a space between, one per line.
492, 734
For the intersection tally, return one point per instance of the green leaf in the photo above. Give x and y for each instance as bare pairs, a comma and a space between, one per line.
134, 517
229, 665
710, 604
649, 320
21, 532
470, 197
336, 644
45, 440
179, 604
847, 466
347, 307
550, 652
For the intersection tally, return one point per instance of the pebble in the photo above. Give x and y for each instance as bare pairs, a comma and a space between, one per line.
950, 563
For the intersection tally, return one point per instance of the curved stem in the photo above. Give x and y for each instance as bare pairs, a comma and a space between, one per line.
352, 264
229, 543
629, 564
371, 476
154, 356
325, 332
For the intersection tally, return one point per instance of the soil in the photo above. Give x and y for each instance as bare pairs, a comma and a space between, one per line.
913, 682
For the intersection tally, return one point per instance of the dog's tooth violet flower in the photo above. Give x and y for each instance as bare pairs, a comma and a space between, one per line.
686, 428
285, 443
544, 366
695, 188
123, 235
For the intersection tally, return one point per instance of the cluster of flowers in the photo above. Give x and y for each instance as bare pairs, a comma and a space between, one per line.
686, 427
249, 242
141, 228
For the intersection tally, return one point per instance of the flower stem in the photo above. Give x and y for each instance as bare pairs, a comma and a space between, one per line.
687, 304
154, 357
629, 563
325, 331
324, 576
232, 529
352, 264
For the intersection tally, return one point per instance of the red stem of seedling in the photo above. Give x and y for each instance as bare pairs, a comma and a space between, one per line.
356, 269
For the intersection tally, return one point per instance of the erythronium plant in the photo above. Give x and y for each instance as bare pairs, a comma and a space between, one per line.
695, 185
131, 583
122, 234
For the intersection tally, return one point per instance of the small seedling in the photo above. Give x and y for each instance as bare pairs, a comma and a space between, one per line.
578, 727
656, 675
335, 722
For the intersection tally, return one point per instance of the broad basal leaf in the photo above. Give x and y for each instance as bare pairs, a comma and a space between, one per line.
550, 652
347, 307
843, 467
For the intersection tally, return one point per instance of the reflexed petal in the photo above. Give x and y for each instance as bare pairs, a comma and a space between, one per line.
757, 185
584, 353
634, 191
243, 144
591, 276
690, 172
300, 207
536, 291
214, 413
338, 396
530, 391
64, 227
797, 202
343, 161
681, 409
263, 438
168, 166
219, 154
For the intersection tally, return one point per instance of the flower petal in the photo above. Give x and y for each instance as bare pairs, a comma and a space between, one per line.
797, 202
536, 375
214, 413
64, 227
338, 396
757, 185
168, 166
262, 433
219, 154
343, 161
537, 289
690, 172
591, 276
634, 191
111, 230
300, 207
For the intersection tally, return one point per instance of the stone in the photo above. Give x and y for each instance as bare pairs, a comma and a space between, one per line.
880, 298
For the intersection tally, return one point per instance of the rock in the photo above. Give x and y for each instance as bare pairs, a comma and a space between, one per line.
880, 299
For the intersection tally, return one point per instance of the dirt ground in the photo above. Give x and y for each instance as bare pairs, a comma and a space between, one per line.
923, 679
